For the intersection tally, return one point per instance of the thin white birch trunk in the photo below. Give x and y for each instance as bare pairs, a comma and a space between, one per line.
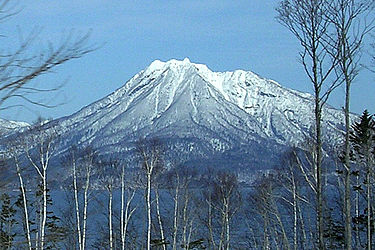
85, 205
159, 218
209, 222
357, 213
122, 222
127, 215
266, 236
148, 203
227, 224
368, 209
302, 223
24, 200
222, 237
175, 218
44, 157
110, 217
295, 218
76, 200
190, 232
44, 220
185, 217
37, 240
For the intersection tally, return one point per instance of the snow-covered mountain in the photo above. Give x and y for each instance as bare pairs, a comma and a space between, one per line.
225, 119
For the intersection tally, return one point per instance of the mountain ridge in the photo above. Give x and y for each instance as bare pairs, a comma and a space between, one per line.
235, 118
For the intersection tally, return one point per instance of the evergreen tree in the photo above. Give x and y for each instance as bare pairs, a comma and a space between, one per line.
7, 222
20, 205
362, 137
55, 233
334, 231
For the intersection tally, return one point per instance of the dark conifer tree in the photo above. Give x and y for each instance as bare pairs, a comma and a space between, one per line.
55, 232
362, 138
7, 222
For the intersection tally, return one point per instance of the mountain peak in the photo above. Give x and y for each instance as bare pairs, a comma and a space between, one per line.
159, 65
155, 65
186, 60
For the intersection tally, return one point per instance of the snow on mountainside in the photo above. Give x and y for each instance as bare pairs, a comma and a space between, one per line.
9, 126
228, 118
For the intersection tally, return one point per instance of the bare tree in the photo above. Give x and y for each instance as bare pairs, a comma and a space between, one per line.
182, 214
14, 151
180, 180
39, 152
21, 66
267, 199
82, 180
348, 18
176, 210
150, 153
291, 178
109, 175
222, 201
126, 208
307, 21
163, 242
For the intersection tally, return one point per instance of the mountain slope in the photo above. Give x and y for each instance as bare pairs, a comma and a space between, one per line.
204, 117
9, 126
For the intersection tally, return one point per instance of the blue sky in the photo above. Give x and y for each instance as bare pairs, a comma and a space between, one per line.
224, 35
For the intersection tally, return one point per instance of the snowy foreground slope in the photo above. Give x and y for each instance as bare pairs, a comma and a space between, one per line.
221, 119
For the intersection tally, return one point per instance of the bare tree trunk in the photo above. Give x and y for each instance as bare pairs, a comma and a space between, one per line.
126, 217
44, 220
85, 205
222, 239
150, 153
281, 224
295, 218
122, 221
44, 156
110, 217
76, 200
37, 239
175, 218
266, 236
148, 204
24, 200
159, 219
185, 218
227, 224
347, 199
368, 180
209, 222
302, 223
190, 231
358, 241
319, 189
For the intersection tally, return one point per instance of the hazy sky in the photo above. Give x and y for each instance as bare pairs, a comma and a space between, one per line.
224, 35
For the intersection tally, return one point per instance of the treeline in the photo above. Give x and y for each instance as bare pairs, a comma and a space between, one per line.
152, 203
